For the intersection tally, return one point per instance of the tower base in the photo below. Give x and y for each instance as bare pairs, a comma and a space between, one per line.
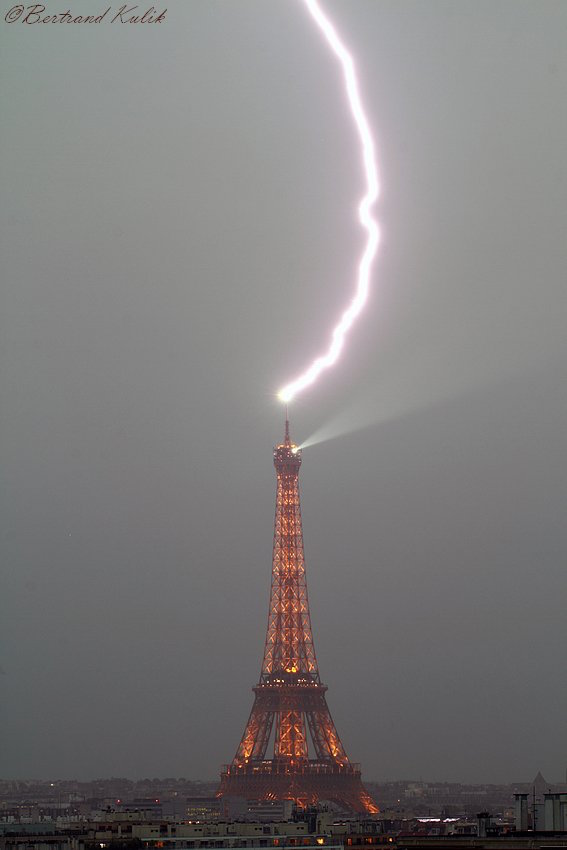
306, 783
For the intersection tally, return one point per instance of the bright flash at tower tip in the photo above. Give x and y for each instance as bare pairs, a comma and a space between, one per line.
368, 222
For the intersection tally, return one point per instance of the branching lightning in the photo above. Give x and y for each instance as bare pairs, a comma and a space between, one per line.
368, 222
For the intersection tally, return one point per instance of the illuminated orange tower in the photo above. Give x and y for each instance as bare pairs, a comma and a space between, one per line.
289, 701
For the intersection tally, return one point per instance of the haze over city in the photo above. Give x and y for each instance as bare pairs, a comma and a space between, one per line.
177, 239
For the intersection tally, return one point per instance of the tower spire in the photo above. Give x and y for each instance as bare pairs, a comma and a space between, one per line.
287, 440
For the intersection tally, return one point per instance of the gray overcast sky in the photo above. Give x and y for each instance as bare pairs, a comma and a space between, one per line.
177, 239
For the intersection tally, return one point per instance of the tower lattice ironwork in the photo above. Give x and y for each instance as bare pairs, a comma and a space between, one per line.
289, 703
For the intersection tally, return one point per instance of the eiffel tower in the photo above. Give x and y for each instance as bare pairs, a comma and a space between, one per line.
289, 699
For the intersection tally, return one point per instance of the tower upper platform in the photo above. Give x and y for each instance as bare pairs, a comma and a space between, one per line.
287, 456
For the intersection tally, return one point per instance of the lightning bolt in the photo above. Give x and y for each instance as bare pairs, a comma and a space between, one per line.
368, 222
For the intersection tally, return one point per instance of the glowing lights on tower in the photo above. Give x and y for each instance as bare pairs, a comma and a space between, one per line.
366, 218
290, 749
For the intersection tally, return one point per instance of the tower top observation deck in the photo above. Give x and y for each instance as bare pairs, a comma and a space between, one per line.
287, 456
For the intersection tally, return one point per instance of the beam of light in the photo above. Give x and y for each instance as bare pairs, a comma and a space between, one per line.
369, 223
430, 378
